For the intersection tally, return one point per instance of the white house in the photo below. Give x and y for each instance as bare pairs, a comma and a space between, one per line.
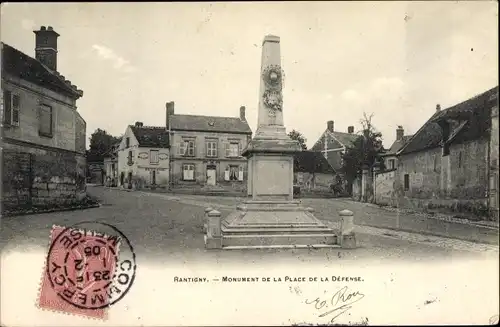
143, 156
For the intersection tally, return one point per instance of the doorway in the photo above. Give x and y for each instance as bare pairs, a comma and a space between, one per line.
122, 177
211, 175
153, 177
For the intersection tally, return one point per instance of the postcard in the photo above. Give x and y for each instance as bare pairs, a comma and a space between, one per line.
249, 164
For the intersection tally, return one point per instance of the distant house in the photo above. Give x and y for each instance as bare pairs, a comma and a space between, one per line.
390, 157
333, 144
43, 135
453, 159
143, 157
95, 169
111, 165
313, 173
206, 151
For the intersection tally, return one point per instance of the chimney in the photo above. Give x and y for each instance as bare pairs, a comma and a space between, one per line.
138, 124
400, 132
169, 112
438, 107
350, 129
242, 113
329, 125
46, 47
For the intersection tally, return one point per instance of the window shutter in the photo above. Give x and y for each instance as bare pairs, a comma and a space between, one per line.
193, 169
226, 174
207, 154
227, 149
7, 107
194, 148
15, 109
216, 144
240, 173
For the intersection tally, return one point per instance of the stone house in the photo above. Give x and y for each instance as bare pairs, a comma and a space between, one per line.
206, 152
333, 144
43, 155
111, 165
143, 157
390, 157
313, 173
95, 169
452, 160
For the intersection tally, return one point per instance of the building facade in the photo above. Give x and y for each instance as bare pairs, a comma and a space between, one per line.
390, 157
206, 151
143, 157
333, 144
111, 166
448, 162
43, 134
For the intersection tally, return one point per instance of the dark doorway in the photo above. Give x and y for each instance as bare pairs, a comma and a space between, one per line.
122, 177
153, 177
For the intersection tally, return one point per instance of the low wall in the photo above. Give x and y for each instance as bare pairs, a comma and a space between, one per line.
34, 177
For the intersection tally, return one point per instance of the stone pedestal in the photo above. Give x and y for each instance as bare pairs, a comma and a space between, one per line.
270, 217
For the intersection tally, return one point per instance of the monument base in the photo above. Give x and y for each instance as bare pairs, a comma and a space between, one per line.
275, 224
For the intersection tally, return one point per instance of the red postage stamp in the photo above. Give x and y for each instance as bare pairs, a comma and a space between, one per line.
80, 273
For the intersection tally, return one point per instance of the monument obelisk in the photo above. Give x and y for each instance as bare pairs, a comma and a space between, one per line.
270, 216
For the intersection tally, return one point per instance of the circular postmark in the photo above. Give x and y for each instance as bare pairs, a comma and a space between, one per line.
91, 265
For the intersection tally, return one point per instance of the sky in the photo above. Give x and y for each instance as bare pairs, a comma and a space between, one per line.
395, 60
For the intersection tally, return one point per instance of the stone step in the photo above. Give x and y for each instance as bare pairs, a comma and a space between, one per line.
317, 246
277, 240
267, 230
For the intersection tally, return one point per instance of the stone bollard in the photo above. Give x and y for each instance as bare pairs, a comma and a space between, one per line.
213, 237
347, 235
205, 220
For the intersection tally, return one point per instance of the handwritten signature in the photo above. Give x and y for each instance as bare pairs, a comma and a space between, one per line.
338, 304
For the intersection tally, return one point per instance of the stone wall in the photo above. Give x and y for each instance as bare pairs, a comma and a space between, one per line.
41, 177
384, 188
458, 181
311, 182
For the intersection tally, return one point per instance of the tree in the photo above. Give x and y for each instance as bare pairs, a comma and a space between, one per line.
297, 136
100, 143
364, 152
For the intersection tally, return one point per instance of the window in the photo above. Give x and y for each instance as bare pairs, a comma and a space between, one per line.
460, 159
186, 148
127, 142
233, 149
211, 148
45, 120
11, 105
188, 172
407, 182
392, 164
130, 158
153, 157
435, 163
233, 173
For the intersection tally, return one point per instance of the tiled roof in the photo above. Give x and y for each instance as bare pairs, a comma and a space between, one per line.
345, 139
397, 145
311, 162
473, 117
151, 137
19, 64
209, 124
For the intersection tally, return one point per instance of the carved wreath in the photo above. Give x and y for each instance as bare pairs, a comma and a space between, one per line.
273, 76
273, 99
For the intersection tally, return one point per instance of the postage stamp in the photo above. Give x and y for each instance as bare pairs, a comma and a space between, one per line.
89, 267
